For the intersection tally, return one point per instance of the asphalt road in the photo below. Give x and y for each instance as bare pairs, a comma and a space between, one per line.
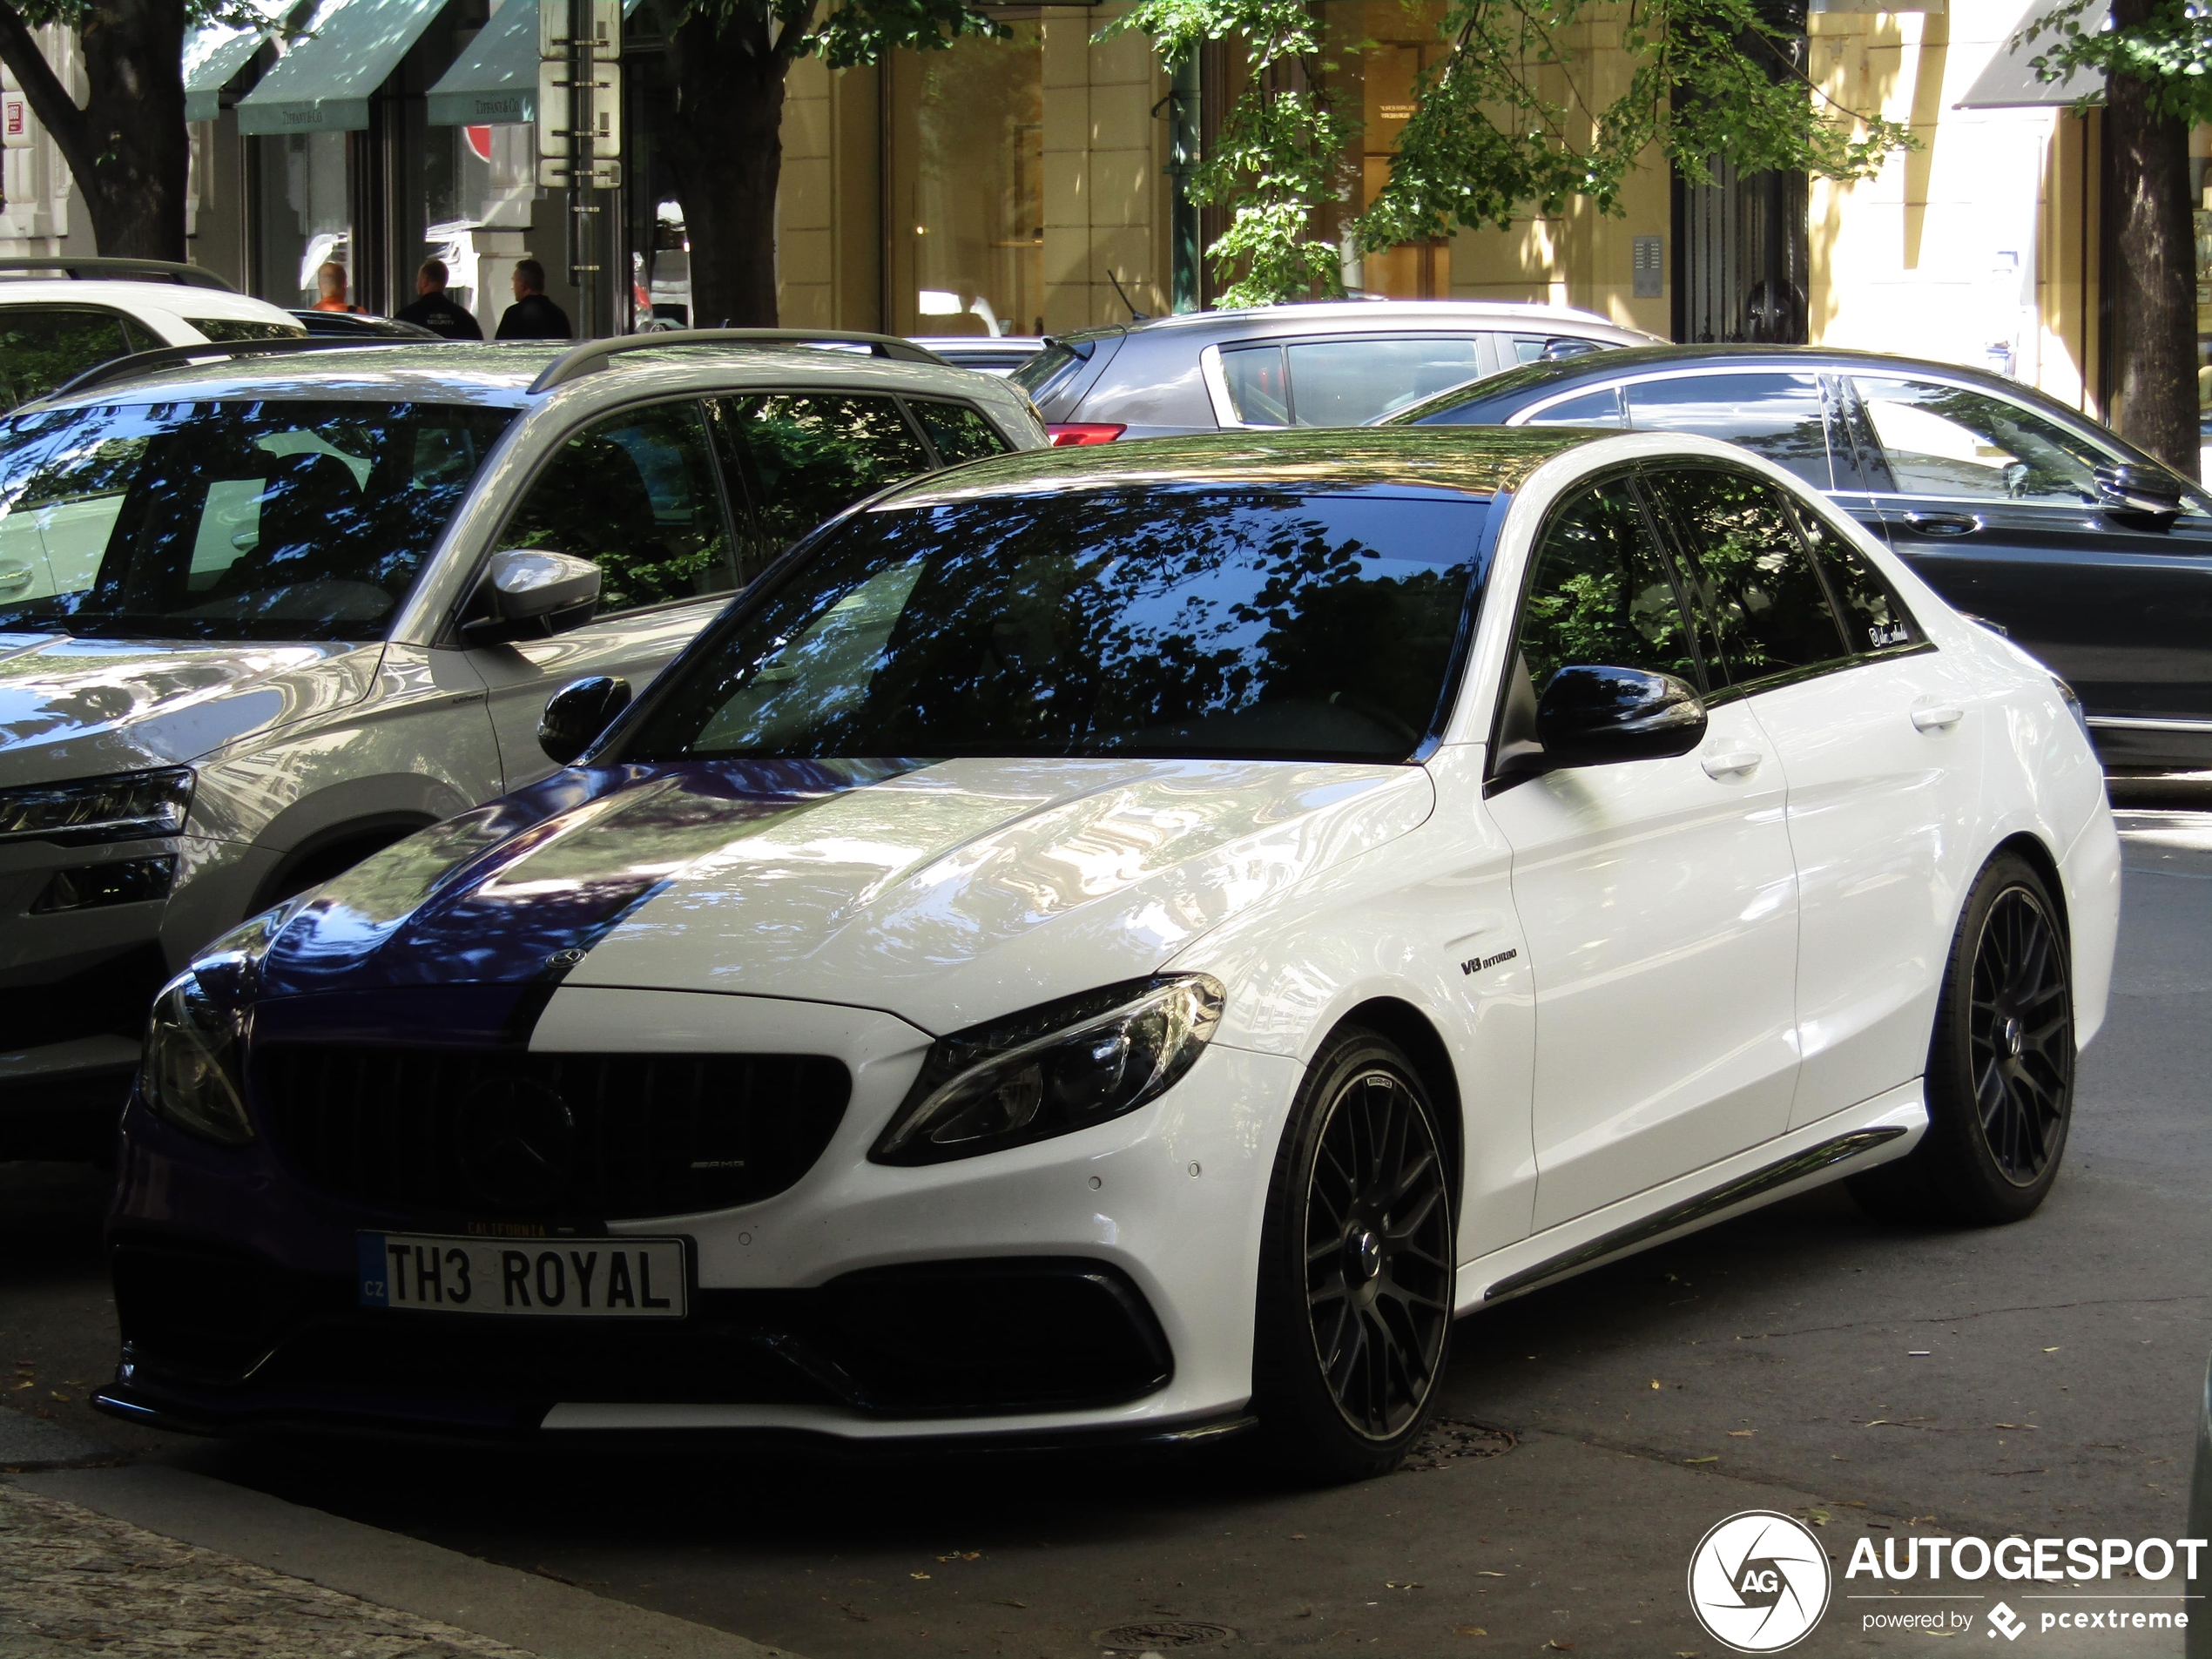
1766, 1364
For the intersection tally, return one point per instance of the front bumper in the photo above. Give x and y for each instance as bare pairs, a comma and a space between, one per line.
1100, 1282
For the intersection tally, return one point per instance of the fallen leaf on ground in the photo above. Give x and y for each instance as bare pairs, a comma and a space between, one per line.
1741, 1433
1556, 1646
1818, 1517
1701, 1460
1402, 1583
1468, 1631
1298, 1537
1483, 1572
1655, 1382
2050, 1351
2016, 1426
1011, 1603
917, 1575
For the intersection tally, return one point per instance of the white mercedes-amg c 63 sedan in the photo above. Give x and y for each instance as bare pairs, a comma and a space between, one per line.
1135, 942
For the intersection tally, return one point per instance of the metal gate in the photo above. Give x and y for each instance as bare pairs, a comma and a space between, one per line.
1741, 248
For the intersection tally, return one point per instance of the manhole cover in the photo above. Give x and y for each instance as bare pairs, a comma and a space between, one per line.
1447, 1441
1163, 1636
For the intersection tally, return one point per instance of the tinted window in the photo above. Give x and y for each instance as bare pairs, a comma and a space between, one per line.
806, 456
1349, 382
224, 330
635, 494
1142, 621
253, 520
1592, 408
1600, 593
1514, 349
1047, 366
42, 345
1776, 415
1258, 390
1947, 441
1753, 575
958, 432
1874, 617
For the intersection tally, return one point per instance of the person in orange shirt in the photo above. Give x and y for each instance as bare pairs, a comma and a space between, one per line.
330, 286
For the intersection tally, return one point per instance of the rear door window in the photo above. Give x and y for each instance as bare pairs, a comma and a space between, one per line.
1780, 416
806, 455
1754, 577
637, 493
1591, 408
1343, 382
42, 345
957, 431
1516, 350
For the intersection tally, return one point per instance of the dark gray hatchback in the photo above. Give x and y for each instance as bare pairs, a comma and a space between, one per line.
2025, 514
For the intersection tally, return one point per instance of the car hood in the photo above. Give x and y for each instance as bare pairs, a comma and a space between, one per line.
80, 708
946, 894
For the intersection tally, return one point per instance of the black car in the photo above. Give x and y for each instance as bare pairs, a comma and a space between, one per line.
361, 325
2024, 513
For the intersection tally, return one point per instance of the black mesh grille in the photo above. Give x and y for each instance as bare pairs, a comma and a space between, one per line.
492, 1133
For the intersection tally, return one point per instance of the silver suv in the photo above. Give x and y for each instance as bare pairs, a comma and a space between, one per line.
289, 608
1333, 364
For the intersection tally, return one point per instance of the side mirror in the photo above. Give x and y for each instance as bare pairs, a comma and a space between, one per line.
1593, 716
577, 713
2139, 494
528, 593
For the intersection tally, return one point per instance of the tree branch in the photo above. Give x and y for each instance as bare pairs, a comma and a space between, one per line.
796, 24
48, 99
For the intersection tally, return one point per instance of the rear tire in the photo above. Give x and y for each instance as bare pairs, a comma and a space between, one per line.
1356, 1277
2001, 1064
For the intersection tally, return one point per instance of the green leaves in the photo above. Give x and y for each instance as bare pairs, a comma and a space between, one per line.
1505, 125
2168, 48
849, 33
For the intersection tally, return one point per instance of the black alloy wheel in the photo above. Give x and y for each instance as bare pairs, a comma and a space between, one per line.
2020, 1036
2000, 1063
1357, 1278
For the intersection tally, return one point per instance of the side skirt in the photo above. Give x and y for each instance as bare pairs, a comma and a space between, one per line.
1873, 1132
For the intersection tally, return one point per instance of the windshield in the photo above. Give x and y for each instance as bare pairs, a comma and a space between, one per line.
245, 520
1200, 621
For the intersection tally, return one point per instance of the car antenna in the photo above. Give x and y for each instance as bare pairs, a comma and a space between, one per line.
1135, 315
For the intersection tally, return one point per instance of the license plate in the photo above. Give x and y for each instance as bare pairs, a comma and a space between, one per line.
589, 1278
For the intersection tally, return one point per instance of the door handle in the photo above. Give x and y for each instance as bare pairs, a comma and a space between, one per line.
1943, 523
1937, 717
1731, 763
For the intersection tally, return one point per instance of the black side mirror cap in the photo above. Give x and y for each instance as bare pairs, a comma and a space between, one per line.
2139, 494
1595, 715
577, 713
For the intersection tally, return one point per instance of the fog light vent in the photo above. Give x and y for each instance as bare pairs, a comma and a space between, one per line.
89, 887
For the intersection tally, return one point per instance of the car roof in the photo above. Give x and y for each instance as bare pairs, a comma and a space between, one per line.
499, 375
1531, 382
1464, 461
179, 299
1357, 316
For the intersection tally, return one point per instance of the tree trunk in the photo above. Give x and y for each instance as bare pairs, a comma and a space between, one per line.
2153, 339
726, 150
127, 148
134, 71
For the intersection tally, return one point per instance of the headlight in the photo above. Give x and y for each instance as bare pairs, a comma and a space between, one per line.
2074, 707
190, 1074
1053, 1069
129, 807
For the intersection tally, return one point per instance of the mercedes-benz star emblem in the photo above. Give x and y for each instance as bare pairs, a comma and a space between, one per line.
517, 1140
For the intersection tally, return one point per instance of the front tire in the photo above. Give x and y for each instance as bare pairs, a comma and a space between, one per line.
1354, 1324
2001, 1064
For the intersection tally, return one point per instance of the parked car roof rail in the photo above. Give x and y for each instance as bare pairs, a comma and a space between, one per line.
145, 362
90, 269
584, 358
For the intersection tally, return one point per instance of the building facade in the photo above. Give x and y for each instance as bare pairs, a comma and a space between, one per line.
1035, 183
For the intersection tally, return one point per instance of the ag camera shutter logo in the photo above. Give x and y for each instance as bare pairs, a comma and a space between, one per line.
1759, 1582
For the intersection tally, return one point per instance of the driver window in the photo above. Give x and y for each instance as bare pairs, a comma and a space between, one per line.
636, 493
1601, 594
1947, 442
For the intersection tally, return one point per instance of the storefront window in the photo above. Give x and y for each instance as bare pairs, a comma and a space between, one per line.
966, 204
475, 178
304, 217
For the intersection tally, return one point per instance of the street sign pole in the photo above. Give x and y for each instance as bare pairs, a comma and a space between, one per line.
579, 135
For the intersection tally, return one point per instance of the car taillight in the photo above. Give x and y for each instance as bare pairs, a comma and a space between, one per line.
1073, 434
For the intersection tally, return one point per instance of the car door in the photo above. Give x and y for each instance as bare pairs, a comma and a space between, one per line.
1880, 735
639, 493
1996, 505
1658, 897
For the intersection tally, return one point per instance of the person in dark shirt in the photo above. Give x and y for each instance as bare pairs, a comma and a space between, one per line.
533, 316
432, 310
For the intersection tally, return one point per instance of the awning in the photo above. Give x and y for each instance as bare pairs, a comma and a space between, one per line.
216, 51
494, 82
2009, 82
323, 84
